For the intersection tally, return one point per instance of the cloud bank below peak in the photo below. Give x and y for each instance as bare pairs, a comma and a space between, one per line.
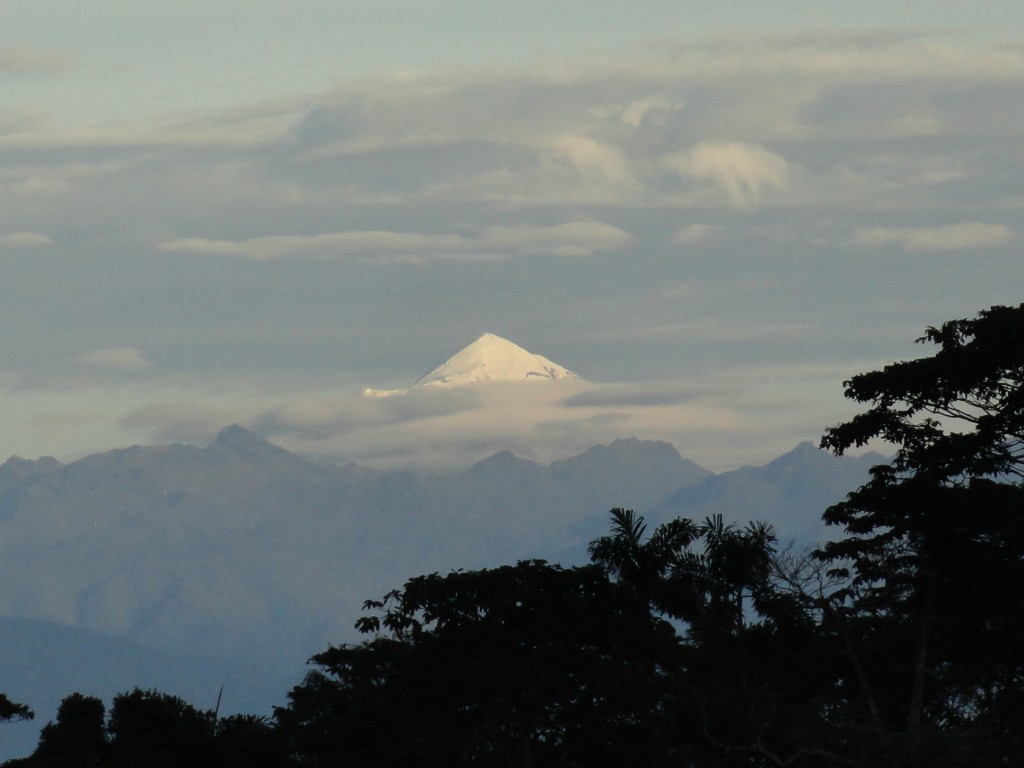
433, 428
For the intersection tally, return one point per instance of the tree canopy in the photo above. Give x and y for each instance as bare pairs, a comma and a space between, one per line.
528, 664
13, 711
934, 542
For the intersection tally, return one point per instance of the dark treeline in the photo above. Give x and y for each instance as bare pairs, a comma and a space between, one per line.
898, 643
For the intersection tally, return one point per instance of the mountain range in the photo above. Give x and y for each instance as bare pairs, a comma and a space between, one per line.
195, 566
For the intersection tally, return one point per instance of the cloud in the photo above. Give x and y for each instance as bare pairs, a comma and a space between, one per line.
576, 238
181, 421
318, 422
716, 181
438, 429
695, 234
743, 170
593, 160
591, 132
24, 240
654, 109
637, 395
846, 55
320, 418
680, 291
20, 61
954, 237
113, 359
330, 245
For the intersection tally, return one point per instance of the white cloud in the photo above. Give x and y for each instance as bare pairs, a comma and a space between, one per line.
694, 234
439, 429
25, 240
576, 238
653, 109
113, 359
434, 429
330, 245
954, 237
593, 160
743, 170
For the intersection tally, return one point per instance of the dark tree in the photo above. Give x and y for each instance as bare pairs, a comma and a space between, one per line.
160, 730
521, 665
756, 669
11, 711
150, 728
77, 737
248, 741
954, 416
934, 548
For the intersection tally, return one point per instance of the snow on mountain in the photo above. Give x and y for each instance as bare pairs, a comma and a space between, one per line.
492, 358
489, 358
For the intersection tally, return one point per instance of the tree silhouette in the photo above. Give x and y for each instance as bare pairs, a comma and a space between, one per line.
147, 727
150, 728
521, 665
934, 546
77, 737
11, 711
756, 667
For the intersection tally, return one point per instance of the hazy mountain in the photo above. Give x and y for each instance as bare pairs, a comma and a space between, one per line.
791, 492
243, 543
17, 471
629, 473
247, 552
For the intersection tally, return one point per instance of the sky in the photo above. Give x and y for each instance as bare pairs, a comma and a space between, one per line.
714, 213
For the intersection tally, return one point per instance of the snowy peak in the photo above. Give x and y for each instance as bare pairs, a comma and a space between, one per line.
492, 358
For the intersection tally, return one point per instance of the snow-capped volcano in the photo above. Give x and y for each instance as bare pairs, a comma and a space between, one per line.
489, 358
492, 358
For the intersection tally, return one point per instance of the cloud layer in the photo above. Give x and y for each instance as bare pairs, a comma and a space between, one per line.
576, 238
736, 212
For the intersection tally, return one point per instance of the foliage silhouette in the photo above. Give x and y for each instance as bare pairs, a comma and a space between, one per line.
13, 711
150, 728
521, 665
934, 546
755, 667
77, 737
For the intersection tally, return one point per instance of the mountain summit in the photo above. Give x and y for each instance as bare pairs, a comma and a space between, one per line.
492, 358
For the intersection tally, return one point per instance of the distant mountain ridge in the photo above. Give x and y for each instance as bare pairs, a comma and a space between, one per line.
791, 492
243, 550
